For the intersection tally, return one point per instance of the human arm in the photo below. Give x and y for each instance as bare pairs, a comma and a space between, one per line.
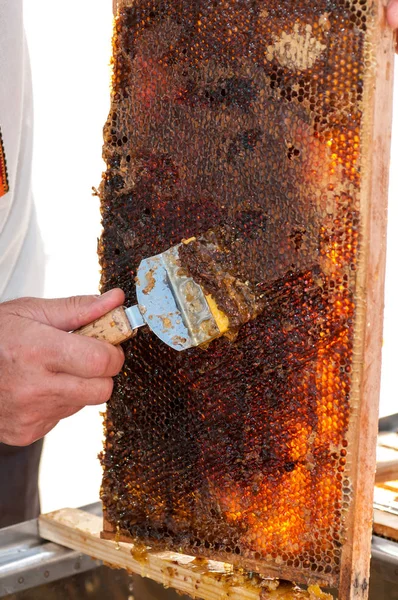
47, 374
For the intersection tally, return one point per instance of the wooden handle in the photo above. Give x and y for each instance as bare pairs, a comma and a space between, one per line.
114, 327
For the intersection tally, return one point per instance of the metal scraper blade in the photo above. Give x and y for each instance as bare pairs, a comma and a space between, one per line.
172, 305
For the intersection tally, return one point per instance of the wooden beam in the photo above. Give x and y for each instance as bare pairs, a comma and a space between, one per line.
200, 578
385, 524
387, 458
387, 471
385, 518
376, 136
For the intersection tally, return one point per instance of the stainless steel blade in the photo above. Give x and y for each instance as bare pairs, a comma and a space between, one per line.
134, 316
172, 304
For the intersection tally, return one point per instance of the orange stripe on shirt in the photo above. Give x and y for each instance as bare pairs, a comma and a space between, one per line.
3, 169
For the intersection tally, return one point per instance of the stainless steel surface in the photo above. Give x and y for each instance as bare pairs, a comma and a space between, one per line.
190, 300
27, 561
385, 551
391, 508
172, 304
388, 424
383, 570
134, 316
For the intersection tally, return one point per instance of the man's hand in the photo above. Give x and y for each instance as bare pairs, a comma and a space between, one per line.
46, 373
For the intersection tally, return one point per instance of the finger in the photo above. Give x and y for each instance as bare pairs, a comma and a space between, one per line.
75, 392
392, 14
70, 313
81, 356
76, 311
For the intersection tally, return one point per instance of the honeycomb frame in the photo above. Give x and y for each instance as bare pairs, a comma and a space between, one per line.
365, 197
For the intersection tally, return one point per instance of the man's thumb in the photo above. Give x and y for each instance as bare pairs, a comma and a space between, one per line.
76, 311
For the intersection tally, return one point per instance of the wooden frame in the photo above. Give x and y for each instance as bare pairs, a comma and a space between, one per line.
209, 580
354, 576
354, 573
200, 578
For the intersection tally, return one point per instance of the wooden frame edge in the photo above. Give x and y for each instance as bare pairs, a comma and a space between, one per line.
297, 575
355, 565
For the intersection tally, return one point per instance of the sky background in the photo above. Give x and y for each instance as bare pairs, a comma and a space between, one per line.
70, 48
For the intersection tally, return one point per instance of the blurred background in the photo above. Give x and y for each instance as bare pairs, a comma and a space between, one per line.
70, 49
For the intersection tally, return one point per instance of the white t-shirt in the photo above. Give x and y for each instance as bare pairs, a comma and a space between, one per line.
21, 250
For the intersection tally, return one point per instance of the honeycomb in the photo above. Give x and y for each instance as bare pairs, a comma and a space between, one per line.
238, 122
